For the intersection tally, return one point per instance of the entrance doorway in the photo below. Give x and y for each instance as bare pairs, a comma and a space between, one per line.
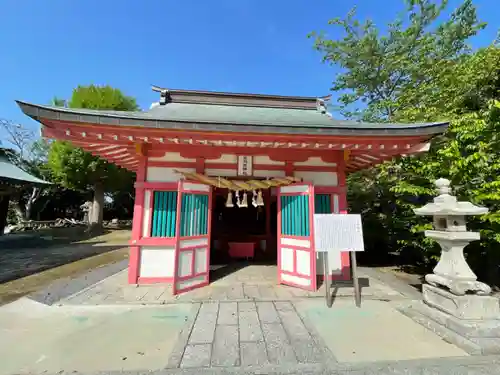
243, 235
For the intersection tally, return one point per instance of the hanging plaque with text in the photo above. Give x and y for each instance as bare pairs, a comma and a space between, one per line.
245, 165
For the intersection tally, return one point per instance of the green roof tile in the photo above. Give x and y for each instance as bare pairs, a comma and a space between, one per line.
213, 117
12, 174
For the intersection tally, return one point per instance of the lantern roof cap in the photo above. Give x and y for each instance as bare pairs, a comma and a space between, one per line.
446, 204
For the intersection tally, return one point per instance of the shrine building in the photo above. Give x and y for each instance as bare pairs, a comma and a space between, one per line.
222, 176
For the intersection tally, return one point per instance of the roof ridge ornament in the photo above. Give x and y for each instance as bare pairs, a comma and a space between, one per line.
165, 97
321, 103
236, 99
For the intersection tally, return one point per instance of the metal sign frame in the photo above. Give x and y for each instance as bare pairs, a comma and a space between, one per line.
358, 246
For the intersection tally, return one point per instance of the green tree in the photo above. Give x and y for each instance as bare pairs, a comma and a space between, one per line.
467, 86
77, 169
417, 73
377, 69
468, 156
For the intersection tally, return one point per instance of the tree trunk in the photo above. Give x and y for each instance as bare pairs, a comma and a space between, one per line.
96, 213
18, 209
35, 194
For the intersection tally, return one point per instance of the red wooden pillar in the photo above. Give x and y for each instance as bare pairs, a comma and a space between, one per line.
342, 183
137, 221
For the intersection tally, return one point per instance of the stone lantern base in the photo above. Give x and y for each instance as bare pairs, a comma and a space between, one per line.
471, 322
468, 306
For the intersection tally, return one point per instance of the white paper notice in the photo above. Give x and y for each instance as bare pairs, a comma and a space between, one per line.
334, 232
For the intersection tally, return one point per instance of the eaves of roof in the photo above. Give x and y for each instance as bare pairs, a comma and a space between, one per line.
238, 119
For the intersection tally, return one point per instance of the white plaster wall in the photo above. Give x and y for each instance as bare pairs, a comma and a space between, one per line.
171, 156
164, 174
269, 174
224, 158
231, 158
189, 186
318, 178
146, 214
316, 161
157, 261
294, 189
264, 159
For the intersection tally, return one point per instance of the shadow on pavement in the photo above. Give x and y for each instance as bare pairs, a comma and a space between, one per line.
219, 272
16, 263
335, 286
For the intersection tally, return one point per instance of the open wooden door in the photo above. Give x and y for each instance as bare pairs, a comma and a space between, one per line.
192, 252
296, 255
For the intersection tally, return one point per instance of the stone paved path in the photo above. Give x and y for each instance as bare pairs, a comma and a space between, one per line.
442, 366
234, 334
254, 282
261, 333
36, 338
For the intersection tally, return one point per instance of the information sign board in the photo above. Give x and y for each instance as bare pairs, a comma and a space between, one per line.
334, 232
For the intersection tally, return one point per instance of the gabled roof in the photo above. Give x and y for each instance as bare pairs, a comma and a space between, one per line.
230, 118
201, 119
233, 112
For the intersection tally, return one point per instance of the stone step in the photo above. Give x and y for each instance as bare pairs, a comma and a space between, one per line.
485, 333
417, 313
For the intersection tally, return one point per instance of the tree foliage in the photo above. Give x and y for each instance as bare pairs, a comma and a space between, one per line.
77, 169
378, 68
101, 97
421, 73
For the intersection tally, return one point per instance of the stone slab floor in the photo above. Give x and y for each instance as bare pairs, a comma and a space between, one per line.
234, 334
36, 338
243, 322
253, 282
376, 331
306, 332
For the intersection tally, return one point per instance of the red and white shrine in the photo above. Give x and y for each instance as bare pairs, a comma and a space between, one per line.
225, 175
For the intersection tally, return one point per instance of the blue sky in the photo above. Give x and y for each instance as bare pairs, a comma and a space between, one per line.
49, 47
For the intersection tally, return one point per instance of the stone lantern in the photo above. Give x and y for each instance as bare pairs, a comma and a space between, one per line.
456, 306
453, 286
